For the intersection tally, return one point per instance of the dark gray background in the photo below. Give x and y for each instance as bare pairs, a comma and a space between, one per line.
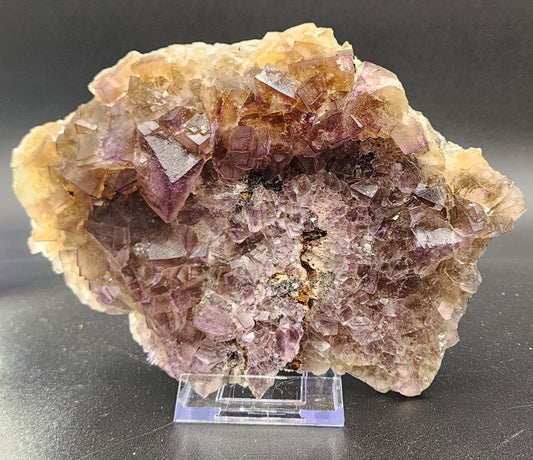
73, 384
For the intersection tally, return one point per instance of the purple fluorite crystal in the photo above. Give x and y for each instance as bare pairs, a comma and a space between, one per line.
266, 205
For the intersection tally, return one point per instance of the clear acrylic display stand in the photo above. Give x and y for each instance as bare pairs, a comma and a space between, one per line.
290, 399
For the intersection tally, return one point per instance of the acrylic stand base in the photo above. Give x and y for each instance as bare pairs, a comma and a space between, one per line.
290, 399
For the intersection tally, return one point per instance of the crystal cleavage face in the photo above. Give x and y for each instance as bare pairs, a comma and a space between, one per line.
270, 204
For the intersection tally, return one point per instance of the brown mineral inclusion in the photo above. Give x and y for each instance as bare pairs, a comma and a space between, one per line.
272, 204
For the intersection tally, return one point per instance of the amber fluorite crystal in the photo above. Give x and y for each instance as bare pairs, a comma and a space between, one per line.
270, 204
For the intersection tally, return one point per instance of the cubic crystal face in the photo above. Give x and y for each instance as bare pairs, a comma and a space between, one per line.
270, 204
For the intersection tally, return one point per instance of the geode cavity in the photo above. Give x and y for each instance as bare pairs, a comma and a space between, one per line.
270, 204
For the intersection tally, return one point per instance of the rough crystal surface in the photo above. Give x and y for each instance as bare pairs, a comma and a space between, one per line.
270, 204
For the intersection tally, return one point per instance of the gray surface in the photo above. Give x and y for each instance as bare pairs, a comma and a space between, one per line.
73, 383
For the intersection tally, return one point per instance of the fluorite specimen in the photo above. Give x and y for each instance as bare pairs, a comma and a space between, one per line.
270, 204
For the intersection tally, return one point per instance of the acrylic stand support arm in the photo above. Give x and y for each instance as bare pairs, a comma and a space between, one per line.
291, 399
